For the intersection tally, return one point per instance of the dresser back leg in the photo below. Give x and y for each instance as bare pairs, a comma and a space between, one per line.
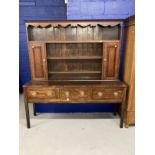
34, 110
115, 109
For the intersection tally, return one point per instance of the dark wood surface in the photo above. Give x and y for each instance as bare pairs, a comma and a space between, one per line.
38, 63
102, 83
111, 59
130, 21
76, 41
75, 92
74, 61
83, 22
62, 49
129, 70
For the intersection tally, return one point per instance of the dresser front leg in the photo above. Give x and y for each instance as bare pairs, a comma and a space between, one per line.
34, 110
26, 109
122, 108
122, 115
27, 114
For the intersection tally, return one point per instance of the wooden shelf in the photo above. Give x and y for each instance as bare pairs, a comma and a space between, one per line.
80, 41
78, 57
74, 50
75, 72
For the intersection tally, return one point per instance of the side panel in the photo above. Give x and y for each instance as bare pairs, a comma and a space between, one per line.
38, 61
111, 58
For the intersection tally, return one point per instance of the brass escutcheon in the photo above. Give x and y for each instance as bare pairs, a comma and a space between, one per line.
115, 93
99, 93
82, 93
33, 93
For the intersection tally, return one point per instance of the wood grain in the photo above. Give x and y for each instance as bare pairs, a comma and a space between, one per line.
74, 61
129, 71
38, 61
74, 92
110, 61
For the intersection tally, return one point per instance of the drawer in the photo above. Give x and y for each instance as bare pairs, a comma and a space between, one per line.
43, 93
107, 93
75, 94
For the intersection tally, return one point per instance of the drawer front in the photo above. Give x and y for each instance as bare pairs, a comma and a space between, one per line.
47, 93
107, 93
75, 94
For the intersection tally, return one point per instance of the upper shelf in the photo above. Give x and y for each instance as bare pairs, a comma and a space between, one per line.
82, 23
73, 31
80, 41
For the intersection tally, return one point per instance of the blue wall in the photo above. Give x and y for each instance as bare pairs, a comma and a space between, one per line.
100, 9
35, 9
76, 9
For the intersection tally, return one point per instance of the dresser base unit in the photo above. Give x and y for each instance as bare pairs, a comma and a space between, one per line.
74, 92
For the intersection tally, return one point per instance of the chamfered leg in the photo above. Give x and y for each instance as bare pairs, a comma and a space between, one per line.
122, 108
27, 115
26, 110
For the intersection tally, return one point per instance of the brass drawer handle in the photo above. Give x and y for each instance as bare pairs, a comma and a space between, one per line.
115, 93
100, 94
33, 93
50, 93
82, 93
67, 95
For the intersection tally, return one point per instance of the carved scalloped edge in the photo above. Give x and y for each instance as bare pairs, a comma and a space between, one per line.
72, 25
109, 25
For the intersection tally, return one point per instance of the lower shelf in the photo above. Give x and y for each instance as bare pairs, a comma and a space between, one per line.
75, 76
74, 72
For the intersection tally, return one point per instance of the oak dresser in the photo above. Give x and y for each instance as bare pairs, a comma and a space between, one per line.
75, 61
